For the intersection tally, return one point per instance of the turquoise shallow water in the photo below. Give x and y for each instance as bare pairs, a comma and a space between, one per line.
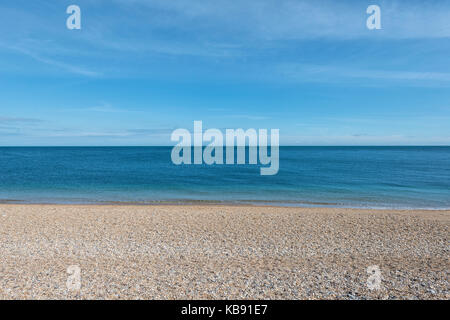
374, 177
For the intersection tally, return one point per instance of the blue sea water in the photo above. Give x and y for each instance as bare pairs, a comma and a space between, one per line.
373, 177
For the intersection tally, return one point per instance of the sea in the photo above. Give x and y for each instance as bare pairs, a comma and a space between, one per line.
354, 177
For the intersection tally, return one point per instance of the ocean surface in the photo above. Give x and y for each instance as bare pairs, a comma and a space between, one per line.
360, 177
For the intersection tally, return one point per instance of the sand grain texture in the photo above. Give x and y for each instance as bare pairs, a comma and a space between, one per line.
221, 252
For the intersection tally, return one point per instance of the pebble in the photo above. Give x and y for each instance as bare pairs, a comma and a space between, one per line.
222, 252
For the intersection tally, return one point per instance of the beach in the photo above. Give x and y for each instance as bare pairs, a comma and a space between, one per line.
222, 252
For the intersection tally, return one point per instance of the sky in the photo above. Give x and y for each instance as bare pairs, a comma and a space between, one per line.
139, 69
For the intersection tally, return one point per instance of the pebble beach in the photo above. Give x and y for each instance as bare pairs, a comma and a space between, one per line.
222, 252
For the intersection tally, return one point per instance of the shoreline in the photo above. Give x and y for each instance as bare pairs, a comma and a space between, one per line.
237, 203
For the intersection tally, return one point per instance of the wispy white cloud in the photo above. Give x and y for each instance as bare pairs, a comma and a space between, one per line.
128, 133
332, 73
218, 29
48, 61
300, 19
248, 117
19, 120
104, 107
363, 140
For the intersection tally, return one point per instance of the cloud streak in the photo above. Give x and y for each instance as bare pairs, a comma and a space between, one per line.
332, 73
65, 66
300, 19
19, 120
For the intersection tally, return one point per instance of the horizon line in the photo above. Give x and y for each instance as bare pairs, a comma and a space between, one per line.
160, 146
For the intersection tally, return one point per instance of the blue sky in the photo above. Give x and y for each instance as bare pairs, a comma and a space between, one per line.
139, 69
